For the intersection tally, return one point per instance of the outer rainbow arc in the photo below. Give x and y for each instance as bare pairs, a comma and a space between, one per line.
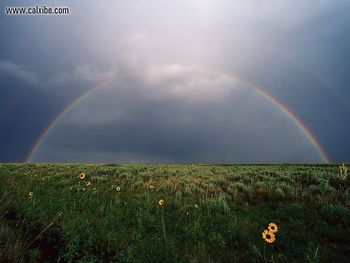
70, 106
302, 127
259, 89
289, 113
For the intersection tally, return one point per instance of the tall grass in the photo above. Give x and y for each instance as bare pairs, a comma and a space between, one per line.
211, 213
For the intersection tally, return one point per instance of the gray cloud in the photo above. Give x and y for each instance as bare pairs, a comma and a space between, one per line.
19, 72
85, 73
170, 100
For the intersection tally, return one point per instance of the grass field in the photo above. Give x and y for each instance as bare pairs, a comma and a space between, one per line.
211, 213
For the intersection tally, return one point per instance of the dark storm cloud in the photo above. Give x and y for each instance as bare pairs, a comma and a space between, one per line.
21, 119
127, 121
169, 110
28, 103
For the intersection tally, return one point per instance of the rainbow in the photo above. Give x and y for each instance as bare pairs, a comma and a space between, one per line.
258, 89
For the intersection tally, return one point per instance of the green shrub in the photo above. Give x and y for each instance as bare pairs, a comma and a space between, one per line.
215, 204
314, 189
335, 214
239, 187
178, 196
326, 188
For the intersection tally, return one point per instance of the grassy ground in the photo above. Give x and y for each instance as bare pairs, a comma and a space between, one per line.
211, 213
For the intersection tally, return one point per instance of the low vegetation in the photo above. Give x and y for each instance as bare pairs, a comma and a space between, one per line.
173, 213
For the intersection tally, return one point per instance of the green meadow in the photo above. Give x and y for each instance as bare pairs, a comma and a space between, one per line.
209, 213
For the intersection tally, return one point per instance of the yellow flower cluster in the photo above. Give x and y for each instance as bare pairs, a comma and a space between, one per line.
269, 235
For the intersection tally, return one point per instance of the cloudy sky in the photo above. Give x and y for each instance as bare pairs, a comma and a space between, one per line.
176, 81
